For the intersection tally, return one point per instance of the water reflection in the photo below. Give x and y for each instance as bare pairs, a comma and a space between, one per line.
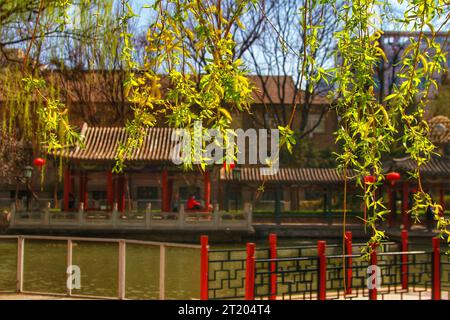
45, 269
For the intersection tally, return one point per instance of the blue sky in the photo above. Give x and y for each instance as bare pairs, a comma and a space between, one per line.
144, 14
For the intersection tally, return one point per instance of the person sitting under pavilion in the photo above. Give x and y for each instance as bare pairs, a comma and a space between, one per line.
192, 203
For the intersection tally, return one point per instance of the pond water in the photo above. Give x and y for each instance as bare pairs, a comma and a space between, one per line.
45, 268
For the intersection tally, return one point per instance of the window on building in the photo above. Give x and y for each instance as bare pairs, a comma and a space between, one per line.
147, 192
312, 121
269, 120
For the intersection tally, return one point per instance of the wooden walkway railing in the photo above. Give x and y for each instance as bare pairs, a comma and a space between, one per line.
121, 261
148, 220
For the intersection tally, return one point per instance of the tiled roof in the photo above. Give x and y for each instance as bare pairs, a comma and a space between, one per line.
437, 166
100, 143
286, 175
439, 129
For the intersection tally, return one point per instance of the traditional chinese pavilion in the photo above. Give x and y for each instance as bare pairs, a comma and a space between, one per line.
150, 178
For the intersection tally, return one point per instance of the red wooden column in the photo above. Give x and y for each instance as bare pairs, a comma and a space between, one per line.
109, 189
165, 191
207, 189
405, 205
67, 188
83, 196
121, 194
80, 184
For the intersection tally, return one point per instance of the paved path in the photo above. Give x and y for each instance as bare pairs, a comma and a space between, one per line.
425, 295
23, 296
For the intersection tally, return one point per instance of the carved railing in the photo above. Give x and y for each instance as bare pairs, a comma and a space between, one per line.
148, 219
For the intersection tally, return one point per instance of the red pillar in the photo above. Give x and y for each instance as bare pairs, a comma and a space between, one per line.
67, 189
404, 259
405, 205
165, 191
207, 187
436, 274
322, 287
204, 264
81, 184
273, 266
169, 193
250, 272
83, 196
121, 195
109, 189
349, 261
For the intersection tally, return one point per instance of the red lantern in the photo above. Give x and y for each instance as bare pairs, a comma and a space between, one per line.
39, 162
369, 179
393, 176
231, 165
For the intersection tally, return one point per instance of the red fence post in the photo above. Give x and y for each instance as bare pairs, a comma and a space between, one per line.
204, 265
322, 287
436, 274
250, 272
404, 259
273, 266
373, 262
349, 261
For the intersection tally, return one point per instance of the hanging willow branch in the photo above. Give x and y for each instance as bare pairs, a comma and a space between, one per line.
369, 129
209, 96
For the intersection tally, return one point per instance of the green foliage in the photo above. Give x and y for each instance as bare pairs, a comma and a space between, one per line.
287, 137
56, 133
368, 128
422, 60
33, 108
208, 96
